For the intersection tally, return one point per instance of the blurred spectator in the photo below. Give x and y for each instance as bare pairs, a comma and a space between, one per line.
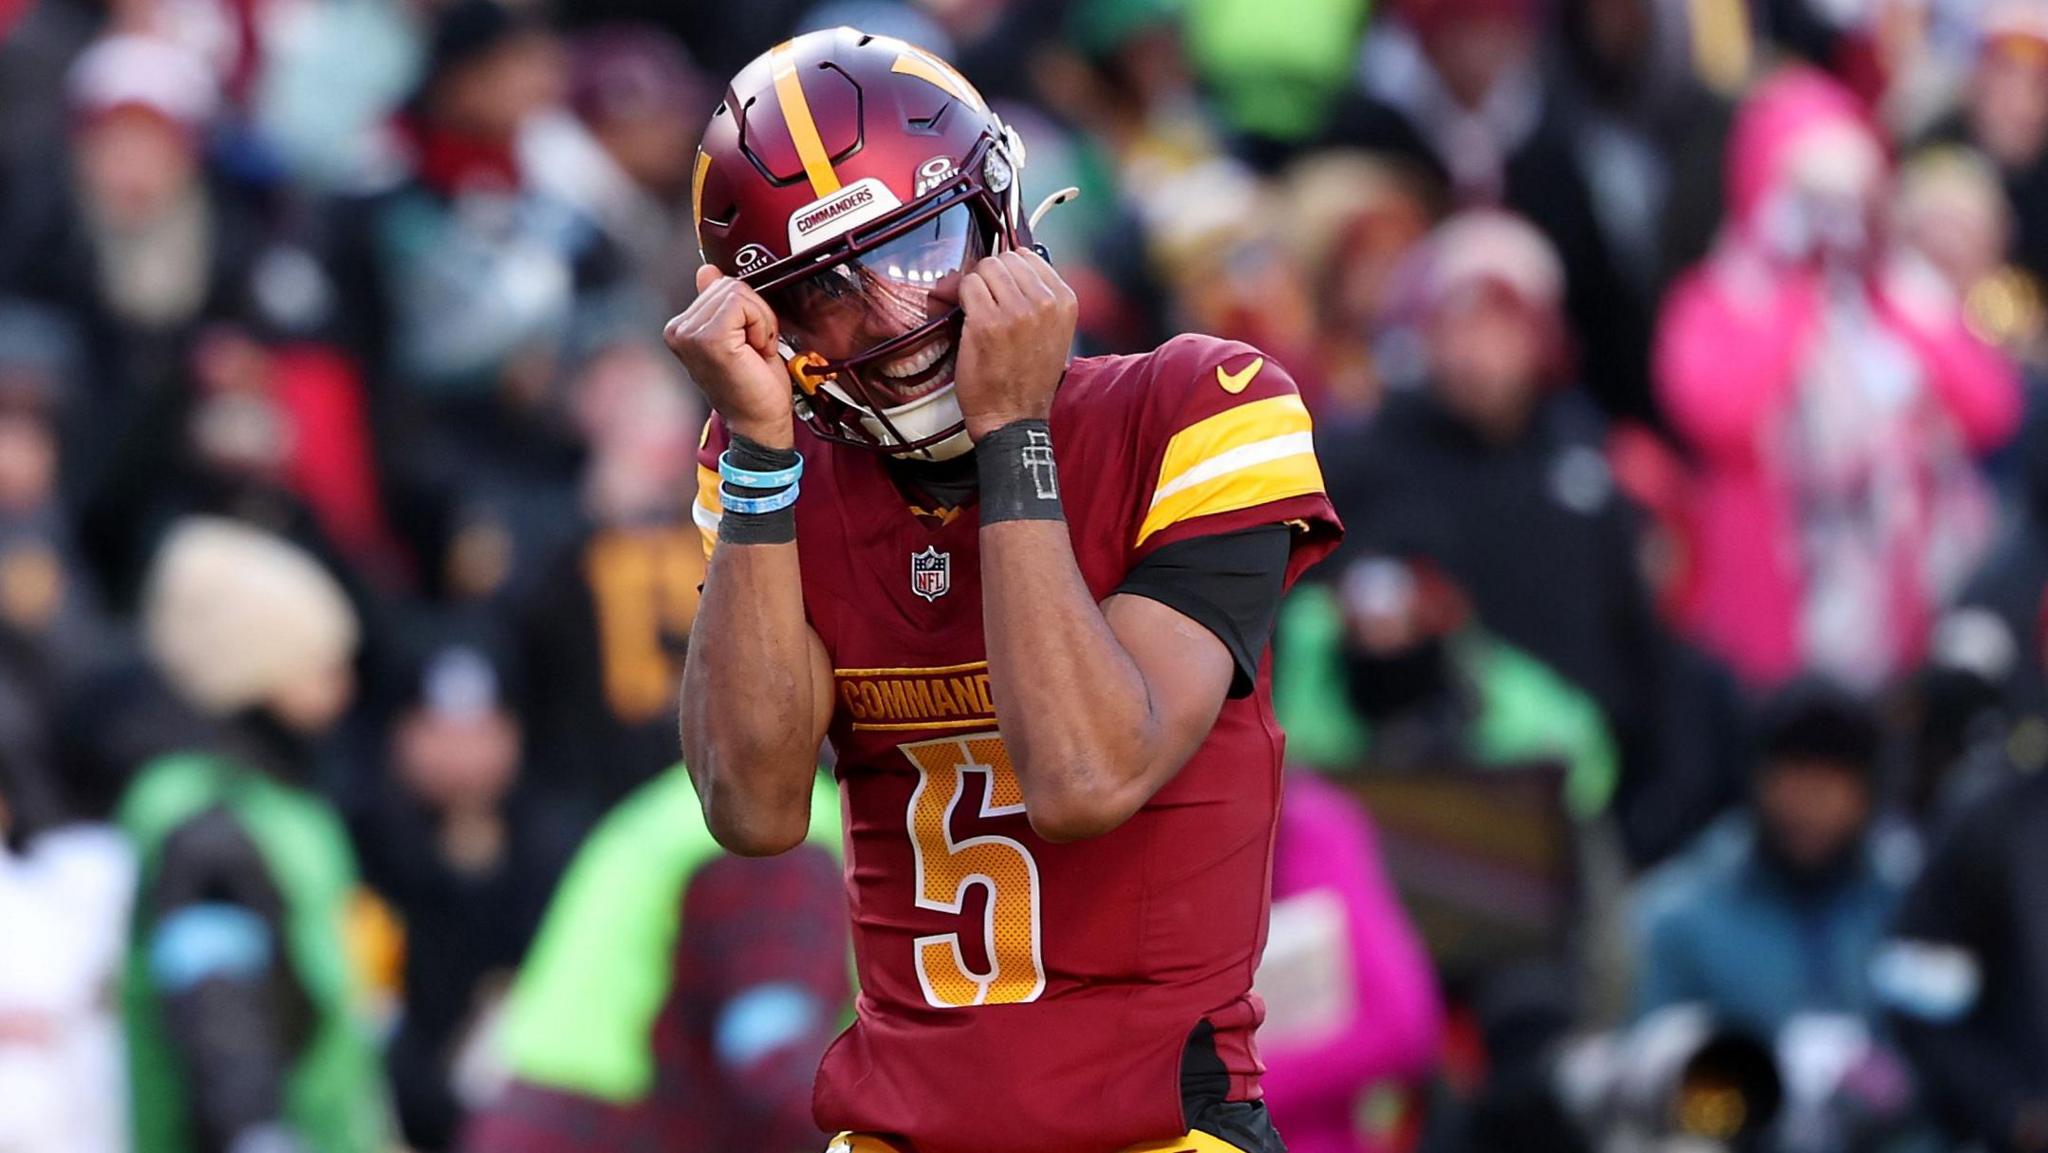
239, 997
270, 431
466, 857
1966, 974
1351, 1004
725, 36
608, 622
621, 154
47, 597
1126, 82
1883, 50
468, 286
318, 113
65, 890
1693, 765
37, 44
2004, 114
678, 1000
141, 246
1235, 277
467, 271
198, 387
1777, 912
1352, 220
1455, 87
1496, 449
996, 42
2007, 591
1633, 78
1966, 733
1093, 237
128, 240
1834, 403
1389, 670
1950, 216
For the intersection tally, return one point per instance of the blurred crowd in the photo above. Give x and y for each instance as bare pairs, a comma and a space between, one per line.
1668, 730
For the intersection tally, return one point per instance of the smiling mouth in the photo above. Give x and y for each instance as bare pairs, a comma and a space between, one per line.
920, 372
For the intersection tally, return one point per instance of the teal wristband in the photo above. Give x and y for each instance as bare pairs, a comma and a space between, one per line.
733, 502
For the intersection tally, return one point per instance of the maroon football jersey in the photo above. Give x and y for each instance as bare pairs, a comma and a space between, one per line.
1019, 996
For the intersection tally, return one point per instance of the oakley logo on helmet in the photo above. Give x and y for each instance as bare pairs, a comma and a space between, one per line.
935, 173
831, 215
751, 257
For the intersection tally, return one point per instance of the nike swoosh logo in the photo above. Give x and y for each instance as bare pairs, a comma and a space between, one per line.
1236, 382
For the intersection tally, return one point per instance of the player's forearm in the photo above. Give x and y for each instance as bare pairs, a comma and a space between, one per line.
748, 701
1073, 706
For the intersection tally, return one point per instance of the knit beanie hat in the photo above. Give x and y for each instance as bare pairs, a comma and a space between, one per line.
231, 614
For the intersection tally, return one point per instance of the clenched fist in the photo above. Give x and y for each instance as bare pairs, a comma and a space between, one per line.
1013, 346
726, 340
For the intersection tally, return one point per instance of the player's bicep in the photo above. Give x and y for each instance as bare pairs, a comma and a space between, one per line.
1187, 672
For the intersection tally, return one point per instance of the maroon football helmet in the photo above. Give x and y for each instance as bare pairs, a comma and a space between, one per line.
851, 179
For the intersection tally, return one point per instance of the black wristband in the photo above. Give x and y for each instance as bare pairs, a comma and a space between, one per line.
778, 527
754, 456
1019, 480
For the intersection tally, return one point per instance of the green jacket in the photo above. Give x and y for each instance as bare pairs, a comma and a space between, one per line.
1275, 66
334, 1096
1526, 712
582, 1011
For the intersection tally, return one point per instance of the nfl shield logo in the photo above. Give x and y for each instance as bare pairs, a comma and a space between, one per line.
931, 573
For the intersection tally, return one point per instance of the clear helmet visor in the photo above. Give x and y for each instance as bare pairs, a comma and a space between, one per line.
847, 309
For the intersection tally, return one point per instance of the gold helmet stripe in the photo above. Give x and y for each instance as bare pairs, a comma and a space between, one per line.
803, 130
939, 74
697, 195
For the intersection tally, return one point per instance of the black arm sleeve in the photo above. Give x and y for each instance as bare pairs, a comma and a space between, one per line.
1229, 583
231, 1025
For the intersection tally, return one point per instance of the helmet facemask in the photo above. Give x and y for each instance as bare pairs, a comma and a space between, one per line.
871, 324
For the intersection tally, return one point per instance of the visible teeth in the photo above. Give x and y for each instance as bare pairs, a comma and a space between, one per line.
917, 361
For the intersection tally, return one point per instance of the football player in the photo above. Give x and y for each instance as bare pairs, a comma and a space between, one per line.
1026, 597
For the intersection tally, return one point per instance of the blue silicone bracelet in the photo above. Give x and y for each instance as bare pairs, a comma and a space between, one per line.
753, 505
747, 478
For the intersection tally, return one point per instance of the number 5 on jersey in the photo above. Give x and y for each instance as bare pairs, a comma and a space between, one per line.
947, 868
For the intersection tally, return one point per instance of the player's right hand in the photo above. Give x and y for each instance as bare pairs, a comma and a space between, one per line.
726, 340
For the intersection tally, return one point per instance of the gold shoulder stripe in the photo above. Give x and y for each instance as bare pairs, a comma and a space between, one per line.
707, 490
803, 130
1233, 428
1294, 475
707, 509
939, 74
1243, 456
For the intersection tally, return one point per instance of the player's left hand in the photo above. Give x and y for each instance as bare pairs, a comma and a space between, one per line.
1014, 345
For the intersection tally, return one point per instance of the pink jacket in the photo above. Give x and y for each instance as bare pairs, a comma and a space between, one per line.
1743, 339
1393, 1032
